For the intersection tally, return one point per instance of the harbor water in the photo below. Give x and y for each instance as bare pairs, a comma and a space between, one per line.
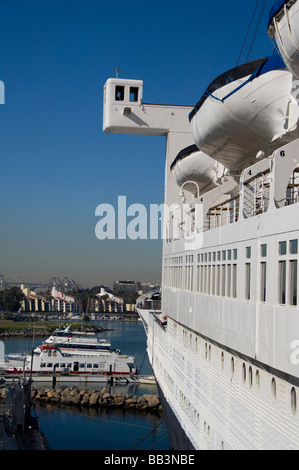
74, 428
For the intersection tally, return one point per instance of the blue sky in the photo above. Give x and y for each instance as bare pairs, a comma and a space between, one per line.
57, 165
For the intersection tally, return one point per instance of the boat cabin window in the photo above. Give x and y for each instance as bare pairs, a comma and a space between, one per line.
119, 93
133, 94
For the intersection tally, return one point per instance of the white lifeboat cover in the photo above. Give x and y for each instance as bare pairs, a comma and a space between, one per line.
234, 121
193, 166
284, 28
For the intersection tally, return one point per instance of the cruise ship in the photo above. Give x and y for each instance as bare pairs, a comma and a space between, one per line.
224, 343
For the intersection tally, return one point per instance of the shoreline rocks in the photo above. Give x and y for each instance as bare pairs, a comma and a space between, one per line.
93, 398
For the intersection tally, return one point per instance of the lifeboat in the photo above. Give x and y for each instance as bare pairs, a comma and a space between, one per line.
284, 28
193, 166
243, 111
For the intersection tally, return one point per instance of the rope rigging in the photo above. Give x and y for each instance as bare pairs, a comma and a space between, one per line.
259, 19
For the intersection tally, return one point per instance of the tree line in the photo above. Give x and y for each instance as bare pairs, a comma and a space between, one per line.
10, 299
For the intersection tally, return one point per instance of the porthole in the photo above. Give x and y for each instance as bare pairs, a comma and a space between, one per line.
273, 388
257, 379
222, 360
293, 400
244, 373
250, 376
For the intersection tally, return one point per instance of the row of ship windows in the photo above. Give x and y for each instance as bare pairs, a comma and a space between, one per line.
232, 254
222, 279
245, 374
63, 365
195, 415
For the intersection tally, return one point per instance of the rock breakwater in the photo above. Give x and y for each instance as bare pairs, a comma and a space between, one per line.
93, 398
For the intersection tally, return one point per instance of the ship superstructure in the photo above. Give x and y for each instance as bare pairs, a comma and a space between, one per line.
224, 346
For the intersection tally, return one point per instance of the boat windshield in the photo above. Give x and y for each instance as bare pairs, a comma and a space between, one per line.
252, 69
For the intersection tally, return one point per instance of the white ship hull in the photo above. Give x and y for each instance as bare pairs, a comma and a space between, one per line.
225, 362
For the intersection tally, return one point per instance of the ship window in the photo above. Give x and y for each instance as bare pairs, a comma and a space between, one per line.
244, 373
250, 377
257, 379
234, 292
82, 365
282, 282
248, 252
229, 277
293, 282
273, 388
232, 366
294, 247
213, 280
134, 94
235, 254
218, 280
209, 280
119, 93
247, 281
222, 360
229, 255
293, 400
263, 281
95, 366
223, 280
49, 364
282, 248
263, 251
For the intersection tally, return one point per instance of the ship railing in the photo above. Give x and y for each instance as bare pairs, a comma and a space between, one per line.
292, 191
256, 195
152, 305
223, 214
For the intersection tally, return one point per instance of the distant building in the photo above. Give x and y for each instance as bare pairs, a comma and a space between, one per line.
123, 286
34, 302
107, 302
62, 303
